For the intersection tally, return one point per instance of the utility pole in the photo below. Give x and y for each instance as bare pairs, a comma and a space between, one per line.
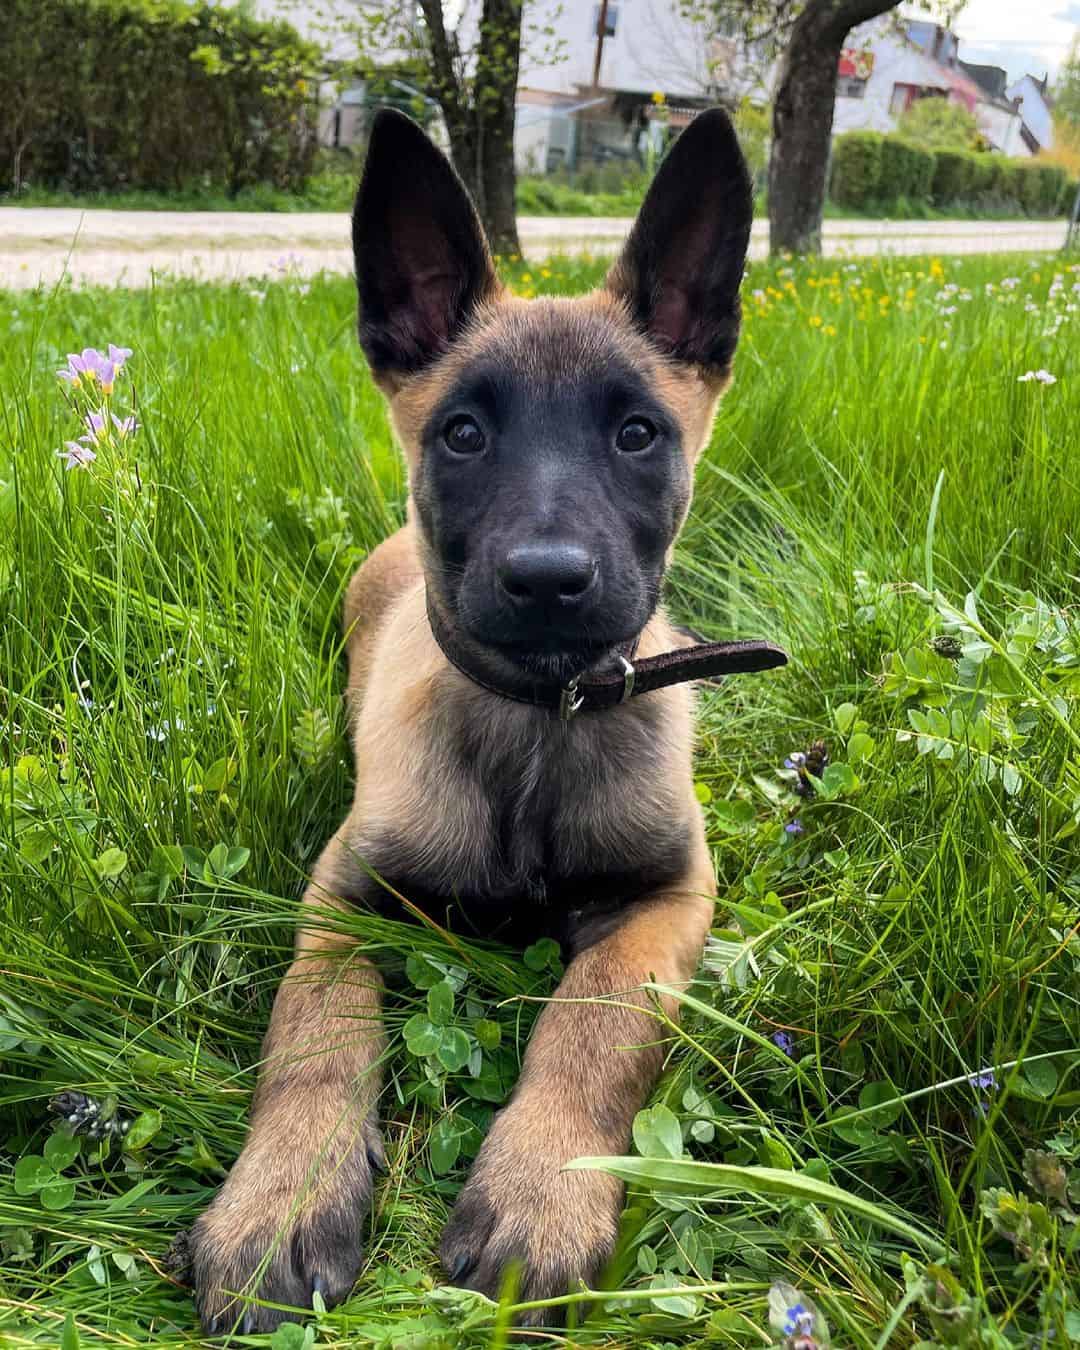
601, 29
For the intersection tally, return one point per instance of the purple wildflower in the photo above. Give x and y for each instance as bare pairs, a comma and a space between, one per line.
97, 425
794, 827
125, 426
81, 365
785, 1041
90, 365
987, 1081
76, 455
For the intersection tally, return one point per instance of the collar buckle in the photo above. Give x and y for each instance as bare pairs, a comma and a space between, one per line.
570, 700
627, 679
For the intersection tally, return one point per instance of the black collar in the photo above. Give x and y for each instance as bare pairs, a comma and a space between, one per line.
613, 679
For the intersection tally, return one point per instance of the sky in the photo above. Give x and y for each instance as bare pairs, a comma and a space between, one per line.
1024, 36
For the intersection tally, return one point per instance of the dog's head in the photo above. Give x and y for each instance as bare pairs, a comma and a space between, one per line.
551, 443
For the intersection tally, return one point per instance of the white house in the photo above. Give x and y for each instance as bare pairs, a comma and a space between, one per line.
889, 64
583, 92
1037, 112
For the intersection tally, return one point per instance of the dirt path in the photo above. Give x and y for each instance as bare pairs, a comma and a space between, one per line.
131, 247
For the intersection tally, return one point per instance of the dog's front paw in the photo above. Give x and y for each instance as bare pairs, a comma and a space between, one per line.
519, 1209
278, 1235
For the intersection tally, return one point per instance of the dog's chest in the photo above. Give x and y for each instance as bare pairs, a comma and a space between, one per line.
517, 821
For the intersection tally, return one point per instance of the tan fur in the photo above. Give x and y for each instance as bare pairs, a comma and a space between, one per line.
508, 324
307, 1160
590, 1063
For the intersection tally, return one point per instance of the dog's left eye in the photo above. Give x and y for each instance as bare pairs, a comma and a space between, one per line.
635, 435
463, 436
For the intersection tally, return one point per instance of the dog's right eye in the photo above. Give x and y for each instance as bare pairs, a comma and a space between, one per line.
463, 436
635, 436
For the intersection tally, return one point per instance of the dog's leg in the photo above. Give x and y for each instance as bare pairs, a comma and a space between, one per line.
287, 1221
587, 1071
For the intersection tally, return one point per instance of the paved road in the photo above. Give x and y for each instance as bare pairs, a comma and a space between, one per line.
129, 247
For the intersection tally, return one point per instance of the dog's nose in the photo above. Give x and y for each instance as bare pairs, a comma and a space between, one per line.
550, 575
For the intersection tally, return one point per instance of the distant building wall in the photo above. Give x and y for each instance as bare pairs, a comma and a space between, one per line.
1034, 110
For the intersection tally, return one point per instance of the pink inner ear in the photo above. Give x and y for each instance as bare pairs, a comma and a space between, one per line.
432, 294
432, 283
671, 317
674, 316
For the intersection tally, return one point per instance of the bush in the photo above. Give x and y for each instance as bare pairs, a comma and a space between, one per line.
122, 94
953, 174
906, 170
1010, 181
1045, 188
982, 172
856, 167
938, 124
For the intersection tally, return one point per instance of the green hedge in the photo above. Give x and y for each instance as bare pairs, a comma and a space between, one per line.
107, 95
871, 171
906, 170
982, 176
856, 168
953, 176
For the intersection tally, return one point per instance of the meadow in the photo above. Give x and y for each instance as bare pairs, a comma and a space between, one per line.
872, 1105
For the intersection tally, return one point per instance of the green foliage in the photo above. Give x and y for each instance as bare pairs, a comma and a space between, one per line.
1067, 89
1044, 193
954, 176
752, 122
940, 124
856, 167
883, 1029
873, 172
907, 170
154, 94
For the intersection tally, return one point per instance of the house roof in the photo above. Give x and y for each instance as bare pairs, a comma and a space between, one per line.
993, 79
1043, 86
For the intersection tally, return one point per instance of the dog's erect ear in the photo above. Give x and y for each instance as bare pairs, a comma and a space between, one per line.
422, 263
680, 271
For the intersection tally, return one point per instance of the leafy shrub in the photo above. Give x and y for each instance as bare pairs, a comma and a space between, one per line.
906, 170
1044, 188
937, 124
953, 173
121, 94
982, 173
1010, 180
856, 168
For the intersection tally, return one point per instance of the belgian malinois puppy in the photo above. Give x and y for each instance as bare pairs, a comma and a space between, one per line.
510, 781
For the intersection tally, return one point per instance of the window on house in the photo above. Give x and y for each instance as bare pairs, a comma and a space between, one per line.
899, 101
846, 87
611, 22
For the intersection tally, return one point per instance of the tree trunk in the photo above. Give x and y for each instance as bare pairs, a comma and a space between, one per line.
447, 86
803, 118
496, 99
482, 131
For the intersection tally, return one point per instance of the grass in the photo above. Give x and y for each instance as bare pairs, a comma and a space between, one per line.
890, 1004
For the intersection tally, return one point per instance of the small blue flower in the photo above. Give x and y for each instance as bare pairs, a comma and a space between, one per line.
792, 1314
799, 1321
983, 1079
794, 827
785, 1041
